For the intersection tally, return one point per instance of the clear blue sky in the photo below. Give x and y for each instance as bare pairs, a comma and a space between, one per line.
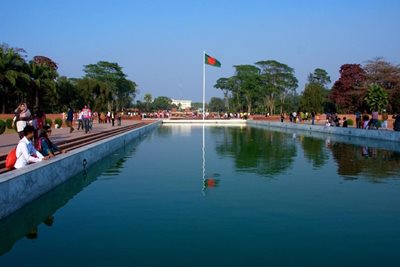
159, 43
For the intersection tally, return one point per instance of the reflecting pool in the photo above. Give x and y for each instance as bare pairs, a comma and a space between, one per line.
187, 195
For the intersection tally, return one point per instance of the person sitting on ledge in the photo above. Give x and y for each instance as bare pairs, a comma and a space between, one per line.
45, 146
26, 152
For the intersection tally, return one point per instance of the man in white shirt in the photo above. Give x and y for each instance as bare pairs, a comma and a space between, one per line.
26, 152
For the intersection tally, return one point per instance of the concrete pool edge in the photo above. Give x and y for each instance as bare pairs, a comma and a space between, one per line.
20, 187
385, 135
229, 122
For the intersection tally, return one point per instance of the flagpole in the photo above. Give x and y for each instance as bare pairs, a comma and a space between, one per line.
204, 85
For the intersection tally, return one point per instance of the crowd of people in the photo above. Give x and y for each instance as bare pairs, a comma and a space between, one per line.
35, 144
363, 120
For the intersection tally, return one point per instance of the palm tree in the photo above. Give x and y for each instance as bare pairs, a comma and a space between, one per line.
42, 80
11, 70
377, 98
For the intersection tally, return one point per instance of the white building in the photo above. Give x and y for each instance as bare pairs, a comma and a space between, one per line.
184, 103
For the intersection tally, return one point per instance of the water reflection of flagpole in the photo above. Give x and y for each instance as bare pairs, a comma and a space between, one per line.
208, 182
204, 163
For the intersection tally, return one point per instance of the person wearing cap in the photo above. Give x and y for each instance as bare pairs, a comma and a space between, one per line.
385, 117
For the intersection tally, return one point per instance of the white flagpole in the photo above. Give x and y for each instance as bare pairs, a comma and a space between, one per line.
204, 85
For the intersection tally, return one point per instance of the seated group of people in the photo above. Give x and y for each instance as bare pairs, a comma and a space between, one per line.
27, 153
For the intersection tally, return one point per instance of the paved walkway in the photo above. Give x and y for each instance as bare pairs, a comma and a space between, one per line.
8, 141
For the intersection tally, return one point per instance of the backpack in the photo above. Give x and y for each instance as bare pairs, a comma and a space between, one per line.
11, 158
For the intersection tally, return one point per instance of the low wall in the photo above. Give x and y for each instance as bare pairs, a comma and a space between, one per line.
20, 187
387, 135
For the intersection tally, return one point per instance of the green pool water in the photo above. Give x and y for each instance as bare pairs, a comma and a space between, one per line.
218, 196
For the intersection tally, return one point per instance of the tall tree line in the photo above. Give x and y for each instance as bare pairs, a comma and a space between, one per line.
103, 87
259, 88
270, 87
374, 86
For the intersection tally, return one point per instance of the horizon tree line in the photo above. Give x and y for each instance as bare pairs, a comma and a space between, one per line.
104, 86
270, 87
267, 86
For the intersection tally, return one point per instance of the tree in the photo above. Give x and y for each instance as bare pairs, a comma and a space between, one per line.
197, 105
248, 81
320, 76
42, 82
12, 71
90, 93
382, 73
148, 98
117, 90
395, 101
216, 105
162, 103
312, 98
348, 92
225, 84
278, 81
67, 94
126, 93
377, 98
292, 102
387, 76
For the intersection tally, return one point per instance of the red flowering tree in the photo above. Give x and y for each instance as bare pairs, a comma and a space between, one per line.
349, 91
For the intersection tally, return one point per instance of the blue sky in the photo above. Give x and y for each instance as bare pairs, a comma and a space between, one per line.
160, 44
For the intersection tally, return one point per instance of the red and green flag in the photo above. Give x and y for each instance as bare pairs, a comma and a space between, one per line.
211, 61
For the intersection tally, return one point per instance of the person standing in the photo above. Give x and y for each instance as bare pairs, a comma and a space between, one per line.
38, 122
358, 119
70, 118
374, 120
108, 119
80, 120
345, 123
112, 118
365, 120
282, 117
312, 117
396, 123
119, 118
385, 117
26, 152
86, 115
22, 116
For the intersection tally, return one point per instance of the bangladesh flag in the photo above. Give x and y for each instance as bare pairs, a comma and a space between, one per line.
211, 61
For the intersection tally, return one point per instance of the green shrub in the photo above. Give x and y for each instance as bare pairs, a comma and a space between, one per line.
49, 122
350, 122
59, 122
9, 123
2, 126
